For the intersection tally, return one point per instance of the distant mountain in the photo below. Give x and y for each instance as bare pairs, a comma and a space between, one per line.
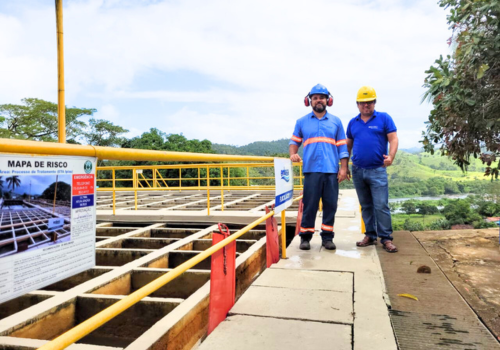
258, 148
413, 150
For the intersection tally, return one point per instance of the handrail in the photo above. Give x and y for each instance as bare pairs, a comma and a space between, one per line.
91, 324
112, 153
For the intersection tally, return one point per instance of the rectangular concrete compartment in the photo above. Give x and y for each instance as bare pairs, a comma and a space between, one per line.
141, 243
126, 327
113, 231
181, 287
75, 280
112, 257
20, 303
172, 232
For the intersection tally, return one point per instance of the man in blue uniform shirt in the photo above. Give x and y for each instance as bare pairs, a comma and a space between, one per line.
324, 145
367, 137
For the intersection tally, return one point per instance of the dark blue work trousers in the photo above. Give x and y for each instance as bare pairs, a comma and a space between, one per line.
316, 186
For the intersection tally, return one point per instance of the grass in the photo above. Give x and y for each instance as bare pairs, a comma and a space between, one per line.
399, 219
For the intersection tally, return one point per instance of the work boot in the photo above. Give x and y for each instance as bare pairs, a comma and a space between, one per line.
304, 244
329, 245
390, 247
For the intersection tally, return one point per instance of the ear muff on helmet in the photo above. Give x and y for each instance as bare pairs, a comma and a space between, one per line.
329, 101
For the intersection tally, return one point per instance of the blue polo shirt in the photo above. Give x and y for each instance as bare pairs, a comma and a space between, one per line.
324, 142
370, 139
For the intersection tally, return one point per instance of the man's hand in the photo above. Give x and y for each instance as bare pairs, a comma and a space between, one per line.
295, 158
342, 175
387, 161
348, 174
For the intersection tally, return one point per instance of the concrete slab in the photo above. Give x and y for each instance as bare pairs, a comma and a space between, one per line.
248, 333
301, 304
310, 280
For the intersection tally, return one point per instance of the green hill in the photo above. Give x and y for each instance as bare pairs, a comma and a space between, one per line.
412, 174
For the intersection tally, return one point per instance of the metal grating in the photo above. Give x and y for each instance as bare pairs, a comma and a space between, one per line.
428, 331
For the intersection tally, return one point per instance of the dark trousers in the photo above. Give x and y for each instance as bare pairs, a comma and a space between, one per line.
316, 186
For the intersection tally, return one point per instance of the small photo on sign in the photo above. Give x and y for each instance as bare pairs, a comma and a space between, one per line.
35, 212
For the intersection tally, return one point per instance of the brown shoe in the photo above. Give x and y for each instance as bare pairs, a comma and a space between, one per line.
366, 242
390, 247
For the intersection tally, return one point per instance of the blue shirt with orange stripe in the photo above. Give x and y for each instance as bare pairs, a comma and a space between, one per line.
324, 142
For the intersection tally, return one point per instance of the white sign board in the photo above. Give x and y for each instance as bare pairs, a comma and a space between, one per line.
283, 174
47, 221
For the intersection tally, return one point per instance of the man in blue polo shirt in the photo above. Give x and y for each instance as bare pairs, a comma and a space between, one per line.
367, 137
324, 145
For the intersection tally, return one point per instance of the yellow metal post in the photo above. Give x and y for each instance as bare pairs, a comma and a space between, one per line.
154, 178
180, 181
248, 176
199, 179
208, 191
114, 193
222, 189
300, 175
363, 228
61, 127
283, 234
135, 188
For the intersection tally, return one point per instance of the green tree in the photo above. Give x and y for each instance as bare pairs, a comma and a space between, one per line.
409, 207
36, 119
104, 133
465, 87
13, 182
63, 192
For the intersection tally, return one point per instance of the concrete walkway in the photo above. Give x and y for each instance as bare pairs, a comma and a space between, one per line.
315, 299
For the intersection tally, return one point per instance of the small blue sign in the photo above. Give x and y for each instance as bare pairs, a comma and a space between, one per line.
285, 175
86, 200
282, 198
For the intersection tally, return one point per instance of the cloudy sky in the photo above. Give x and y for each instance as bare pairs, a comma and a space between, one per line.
227, 71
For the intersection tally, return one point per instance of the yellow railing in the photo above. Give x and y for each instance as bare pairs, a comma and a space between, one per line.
207, 177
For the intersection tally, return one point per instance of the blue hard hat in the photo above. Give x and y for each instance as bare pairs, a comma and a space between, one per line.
319, 89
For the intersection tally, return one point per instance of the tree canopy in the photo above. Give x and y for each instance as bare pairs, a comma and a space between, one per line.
36, 119
465, 87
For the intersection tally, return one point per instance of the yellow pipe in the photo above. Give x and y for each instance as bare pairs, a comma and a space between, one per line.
114, 194
199, 179
135, 192
221, 189
57, 149
363, 228
283, 234
248, 176
61, 111
91, 324
208, 191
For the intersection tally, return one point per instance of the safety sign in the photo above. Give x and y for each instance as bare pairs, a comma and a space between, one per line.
283, 174
47, 221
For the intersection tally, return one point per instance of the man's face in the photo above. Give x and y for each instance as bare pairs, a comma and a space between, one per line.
318, 103
366, 108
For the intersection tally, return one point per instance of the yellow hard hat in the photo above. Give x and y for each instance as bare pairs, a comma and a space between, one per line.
365, 94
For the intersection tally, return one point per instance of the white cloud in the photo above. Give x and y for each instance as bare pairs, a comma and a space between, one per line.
272, 52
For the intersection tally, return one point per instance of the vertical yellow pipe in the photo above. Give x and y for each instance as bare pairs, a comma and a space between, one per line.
283, 234
61, 129
228, 178
363, 228
199, 179
208, 191
180, 181
135, 188
114, 193
154, 177
222, 189
300, 175
248, 176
